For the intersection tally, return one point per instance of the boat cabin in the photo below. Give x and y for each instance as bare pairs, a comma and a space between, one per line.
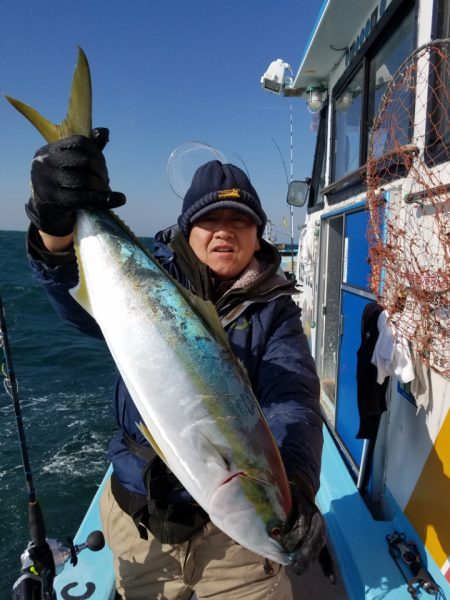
374, 266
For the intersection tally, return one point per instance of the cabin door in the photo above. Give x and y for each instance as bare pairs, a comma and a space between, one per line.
345, 292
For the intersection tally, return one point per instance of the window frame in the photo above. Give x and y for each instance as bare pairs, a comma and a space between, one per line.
435, 152
319, 162
383, 29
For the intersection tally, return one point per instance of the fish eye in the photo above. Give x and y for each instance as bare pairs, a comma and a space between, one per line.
275, 531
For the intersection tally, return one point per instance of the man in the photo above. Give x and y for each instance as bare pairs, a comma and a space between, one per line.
164, 545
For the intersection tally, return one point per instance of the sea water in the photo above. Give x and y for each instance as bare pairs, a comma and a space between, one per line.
65, 387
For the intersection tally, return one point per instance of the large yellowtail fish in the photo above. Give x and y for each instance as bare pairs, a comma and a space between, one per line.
198, 409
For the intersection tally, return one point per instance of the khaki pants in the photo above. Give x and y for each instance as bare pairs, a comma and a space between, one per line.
210, 563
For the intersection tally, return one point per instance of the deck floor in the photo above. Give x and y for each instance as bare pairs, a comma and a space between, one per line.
313, 585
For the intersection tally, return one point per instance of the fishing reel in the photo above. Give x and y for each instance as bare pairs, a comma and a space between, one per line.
40, 564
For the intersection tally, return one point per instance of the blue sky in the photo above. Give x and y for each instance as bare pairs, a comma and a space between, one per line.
164, 72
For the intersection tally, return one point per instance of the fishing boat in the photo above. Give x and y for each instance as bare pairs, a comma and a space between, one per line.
374, 250
92, 577
289, 254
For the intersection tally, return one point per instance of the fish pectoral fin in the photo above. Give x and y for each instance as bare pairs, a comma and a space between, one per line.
219, 454
208, 312
79, 115
151, 440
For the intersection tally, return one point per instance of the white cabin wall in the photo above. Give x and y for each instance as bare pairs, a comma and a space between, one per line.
411, 435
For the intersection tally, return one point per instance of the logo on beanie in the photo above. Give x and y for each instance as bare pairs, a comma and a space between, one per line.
233, 193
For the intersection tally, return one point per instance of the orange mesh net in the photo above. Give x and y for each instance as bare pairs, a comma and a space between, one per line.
408, 189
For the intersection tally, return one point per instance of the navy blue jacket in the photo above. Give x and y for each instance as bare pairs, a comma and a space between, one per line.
265, 332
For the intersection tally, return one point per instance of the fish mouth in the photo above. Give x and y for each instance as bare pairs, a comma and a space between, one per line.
275, 529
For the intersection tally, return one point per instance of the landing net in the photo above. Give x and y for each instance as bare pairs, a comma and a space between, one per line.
408, 179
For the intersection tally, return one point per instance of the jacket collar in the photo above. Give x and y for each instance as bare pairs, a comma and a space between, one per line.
261, 283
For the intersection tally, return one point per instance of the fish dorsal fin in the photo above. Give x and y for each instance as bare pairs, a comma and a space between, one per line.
207, 311
79, 115
244, 372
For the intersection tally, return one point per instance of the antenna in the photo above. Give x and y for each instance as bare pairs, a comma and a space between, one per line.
290, 178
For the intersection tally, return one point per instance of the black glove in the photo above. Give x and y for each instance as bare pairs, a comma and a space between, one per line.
67, 175
305, 537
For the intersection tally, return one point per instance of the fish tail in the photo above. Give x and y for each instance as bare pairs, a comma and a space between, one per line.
78, 120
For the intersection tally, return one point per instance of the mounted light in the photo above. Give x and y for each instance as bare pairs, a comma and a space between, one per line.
344, 101
315, 99
276, 79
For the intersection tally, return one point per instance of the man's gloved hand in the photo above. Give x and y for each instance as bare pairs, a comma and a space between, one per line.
67, 175
306, 535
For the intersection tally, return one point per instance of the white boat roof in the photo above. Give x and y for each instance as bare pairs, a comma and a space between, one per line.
338, 23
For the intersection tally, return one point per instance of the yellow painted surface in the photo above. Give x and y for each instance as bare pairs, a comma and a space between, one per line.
428, 509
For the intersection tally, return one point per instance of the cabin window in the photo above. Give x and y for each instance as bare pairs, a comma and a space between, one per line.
348, 127
438, 135
382, 68
315, 200
358, 95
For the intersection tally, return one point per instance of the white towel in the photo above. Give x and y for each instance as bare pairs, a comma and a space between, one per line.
420, 388
391, 355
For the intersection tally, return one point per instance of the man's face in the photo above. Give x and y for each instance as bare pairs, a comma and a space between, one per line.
225, 240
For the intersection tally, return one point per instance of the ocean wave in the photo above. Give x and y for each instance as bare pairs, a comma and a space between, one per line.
76, 461
65, 389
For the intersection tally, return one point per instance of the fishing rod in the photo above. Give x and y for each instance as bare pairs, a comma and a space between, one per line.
43, 558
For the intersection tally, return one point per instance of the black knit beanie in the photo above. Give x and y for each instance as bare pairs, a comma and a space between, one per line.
217, 185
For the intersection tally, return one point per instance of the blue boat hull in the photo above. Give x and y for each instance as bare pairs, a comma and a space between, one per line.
93, 576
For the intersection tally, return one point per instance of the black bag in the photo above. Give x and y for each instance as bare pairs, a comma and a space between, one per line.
169, 522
